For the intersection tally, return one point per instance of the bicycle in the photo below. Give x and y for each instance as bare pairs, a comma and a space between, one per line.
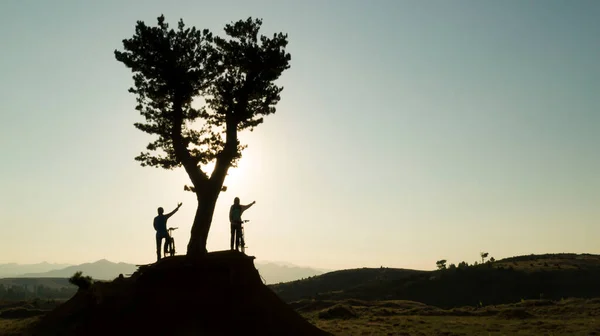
170, 243
242, 240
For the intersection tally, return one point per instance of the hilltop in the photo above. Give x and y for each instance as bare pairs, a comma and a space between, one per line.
220, 293
550, 276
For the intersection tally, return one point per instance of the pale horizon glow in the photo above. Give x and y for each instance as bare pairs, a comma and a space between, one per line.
408, 132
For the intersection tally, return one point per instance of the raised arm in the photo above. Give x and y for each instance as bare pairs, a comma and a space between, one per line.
174, 211
245, 207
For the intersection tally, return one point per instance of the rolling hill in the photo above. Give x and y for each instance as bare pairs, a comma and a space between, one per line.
550, 276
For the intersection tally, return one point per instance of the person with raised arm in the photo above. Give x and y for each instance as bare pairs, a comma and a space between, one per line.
235, 218
160, 225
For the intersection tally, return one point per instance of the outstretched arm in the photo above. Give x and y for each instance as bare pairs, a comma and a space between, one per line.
245, 207
174, 211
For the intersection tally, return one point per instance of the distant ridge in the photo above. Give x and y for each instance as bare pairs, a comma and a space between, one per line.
272, 272
14, 269
101, 270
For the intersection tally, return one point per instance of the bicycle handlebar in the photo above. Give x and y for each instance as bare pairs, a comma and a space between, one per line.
172, 228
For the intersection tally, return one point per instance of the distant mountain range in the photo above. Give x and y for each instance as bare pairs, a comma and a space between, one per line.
272, 272
14, 269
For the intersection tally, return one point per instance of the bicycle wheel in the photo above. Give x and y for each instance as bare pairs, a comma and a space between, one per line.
168, 247
243, 242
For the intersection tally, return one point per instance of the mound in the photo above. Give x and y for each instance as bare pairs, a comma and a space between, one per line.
220, 293
515, 313
339, 311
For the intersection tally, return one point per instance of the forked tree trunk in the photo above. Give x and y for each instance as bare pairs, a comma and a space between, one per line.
208, 193
207, 200
202, 221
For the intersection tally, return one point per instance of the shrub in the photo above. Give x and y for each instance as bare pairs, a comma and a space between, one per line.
83, 282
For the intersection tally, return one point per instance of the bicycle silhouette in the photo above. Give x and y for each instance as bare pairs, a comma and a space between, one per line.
170, 242
243, 246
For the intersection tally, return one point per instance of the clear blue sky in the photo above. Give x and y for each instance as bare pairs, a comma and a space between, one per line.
408, 132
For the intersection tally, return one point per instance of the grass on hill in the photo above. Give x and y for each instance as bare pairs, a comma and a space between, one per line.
551, 261
387, 301
398, 317
500, 282
530, 317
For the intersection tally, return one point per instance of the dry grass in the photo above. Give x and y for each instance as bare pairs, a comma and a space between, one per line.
531, 317
568, 317
534, 317
14, 327
551, 262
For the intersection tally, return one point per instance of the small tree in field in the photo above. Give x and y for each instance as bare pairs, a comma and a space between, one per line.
234, 76
441, 264
483, 256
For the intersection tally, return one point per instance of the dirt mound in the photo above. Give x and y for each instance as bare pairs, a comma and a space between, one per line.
514, 313
220, 293
339, 311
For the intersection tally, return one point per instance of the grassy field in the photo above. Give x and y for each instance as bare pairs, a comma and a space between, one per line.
13, 327
565, 317
354, 317
329, 301
16, 317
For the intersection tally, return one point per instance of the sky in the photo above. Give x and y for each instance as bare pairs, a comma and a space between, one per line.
408, 132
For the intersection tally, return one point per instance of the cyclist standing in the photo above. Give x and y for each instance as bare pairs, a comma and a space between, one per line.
235, 218
160, 225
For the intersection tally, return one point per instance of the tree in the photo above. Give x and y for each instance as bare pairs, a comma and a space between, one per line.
492, 260
234, 76
81, 281
483, 256
441, 264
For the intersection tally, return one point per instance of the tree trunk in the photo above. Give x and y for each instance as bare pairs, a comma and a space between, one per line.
208, 193
207, 199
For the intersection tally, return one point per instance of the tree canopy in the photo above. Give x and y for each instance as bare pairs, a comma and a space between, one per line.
231, 78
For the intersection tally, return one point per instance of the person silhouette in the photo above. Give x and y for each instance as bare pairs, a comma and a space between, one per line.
160, 225
235, 218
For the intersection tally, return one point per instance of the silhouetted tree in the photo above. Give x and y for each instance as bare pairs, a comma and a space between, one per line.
483, 256
233, 76
441, 264
492, 259
452, 266
83, 282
